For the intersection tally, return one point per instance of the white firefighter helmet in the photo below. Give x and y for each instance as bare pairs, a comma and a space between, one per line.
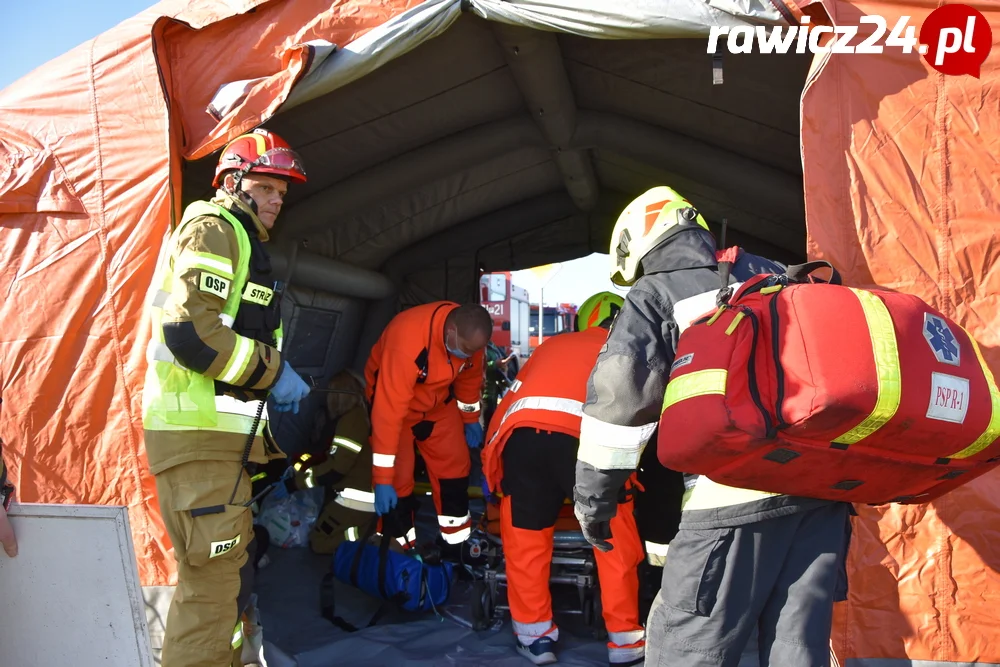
645, 223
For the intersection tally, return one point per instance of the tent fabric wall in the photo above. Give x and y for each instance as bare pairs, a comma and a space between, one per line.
90, 149
902, 188
83, 202
268, 44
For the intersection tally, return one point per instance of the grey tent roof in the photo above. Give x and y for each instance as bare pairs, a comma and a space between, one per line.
504, 146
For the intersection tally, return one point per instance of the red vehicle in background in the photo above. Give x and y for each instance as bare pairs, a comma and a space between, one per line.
558, 319
509, 307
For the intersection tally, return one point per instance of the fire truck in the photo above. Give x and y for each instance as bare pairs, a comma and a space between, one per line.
558, 319
508, 305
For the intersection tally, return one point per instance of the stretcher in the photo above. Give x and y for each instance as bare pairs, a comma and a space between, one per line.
573, 567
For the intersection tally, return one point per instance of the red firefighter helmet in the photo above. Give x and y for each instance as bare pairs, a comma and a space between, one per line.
261, 152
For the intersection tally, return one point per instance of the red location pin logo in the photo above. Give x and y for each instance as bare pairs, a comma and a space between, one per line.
956, 39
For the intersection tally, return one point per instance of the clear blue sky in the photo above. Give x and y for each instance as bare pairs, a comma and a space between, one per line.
36, 31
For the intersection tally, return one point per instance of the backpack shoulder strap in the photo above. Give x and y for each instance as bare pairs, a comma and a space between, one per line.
801, 273
726, 258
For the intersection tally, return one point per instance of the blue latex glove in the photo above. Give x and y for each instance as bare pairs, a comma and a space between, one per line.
385, 498
279, 492
474, 434
487, 496
288, 391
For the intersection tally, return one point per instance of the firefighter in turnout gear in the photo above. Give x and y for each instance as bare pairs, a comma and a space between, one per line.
531, 458
338, 460
742, 563
214, 358
424, 379
346, 469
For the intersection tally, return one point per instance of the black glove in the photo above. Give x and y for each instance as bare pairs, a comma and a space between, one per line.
595, 502
597, 532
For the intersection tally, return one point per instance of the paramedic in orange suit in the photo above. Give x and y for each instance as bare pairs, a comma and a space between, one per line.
531, 458
424, 378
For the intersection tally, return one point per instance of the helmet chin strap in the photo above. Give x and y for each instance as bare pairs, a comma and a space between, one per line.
239, 192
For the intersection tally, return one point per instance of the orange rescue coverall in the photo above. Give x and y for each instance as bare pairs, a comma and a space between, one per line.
422, 396
540, 414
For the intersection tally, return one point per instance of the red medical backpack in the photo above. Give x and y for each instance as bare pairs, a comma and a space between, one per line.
811, 388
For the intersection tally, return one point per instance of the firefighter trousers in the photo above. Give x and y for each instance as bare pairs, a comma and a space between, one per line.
440, 437
338, 522
539, 474
777, 578
349, 505
213, 545
658, 507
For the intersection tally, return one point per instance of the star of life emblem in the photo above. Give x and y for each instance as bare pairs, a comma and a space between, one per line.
941, 340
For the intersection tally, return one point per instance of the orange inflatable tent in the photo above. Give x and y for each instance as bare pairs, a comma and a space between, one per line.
447, 132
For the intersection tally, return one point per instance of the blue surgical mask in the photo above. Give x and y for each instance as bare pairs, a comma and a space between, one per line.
453, 351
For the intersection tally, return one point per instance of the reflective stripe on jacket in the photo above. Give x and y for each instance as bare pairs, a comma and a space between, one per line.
548, 394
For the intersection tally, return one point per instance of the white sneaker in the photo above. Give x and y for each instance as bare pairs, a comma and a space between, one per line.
541, 651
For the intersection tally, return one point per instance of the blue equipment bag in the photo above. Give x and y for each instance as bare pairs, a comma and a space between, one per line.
404, 580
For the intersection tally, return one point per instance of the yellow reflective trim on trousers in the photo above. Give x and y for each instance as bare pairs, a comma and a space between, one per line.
238, 635
699, 383
886, 352
656, 553
992, 431
239, 361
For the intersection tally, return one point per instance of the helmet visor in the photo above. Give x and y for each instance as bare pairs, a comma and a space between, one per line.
282, 159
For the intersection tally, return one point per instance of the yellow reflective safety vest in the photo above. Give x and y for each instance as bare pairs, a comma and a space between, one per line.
176, 398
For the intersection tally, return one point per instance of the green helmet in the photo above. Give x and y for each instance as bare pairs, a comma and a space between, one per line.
598, 308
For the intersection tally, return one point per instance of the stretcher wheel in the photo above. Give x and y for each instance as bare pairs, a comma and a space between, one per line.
482, 605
